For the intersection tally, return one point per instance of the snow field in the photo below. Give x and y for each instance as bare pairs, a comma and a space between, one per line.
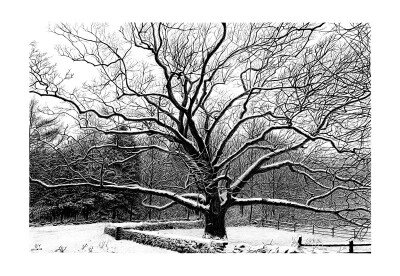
90, 238
84, 238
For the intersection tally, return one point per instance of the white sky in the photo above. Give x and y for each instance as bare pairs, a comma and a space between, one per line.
24, 21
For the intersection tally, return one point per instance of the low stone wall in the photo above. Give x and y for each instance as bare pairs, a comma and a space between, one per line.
110, 230
142, 234
148, 226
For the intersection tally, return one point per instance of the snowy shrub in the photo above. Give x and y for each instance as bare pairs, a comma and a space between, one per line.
61, 249
37, 247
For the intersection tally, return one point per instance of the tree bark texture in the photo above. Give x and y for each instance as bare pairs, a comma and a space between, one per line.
215, 220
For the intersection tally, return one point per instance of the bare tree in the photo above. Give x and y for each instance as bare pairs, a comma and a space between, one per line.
198, 88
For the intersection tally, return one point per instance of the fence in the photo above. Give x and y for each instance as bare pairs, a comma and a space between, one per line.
345, 232
351, 245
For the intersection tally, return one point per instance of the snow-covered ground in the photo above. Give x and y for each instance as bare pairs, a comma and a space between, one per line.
87, 238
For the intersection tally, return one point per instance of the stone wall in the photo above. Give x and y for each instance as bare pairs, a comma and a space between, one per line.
142, 234
148, 226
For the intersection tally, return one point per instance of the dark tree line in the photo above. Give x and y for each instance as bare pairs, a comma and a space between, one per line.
50, 144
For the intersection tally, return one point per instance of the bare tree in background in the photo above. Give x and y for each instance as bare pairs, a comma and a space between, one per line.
201, 85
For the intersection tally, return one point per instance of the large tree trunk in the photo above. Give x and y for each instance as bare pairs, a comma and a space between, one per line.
215, 226
215, 220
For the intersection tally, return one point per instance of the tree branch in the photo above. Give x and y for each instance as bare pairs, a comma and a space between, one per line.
185, 201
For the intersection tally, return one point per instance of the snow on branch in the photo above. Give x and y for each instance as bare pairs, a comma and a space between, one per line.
287, 203
180, 199
200, 199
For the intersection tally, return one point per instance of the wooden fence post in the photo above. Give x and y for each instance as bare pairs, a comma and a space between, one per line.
278, 224
294, 227
333, 231
313, 229
355, 235
118, 232
299, 241
351, 246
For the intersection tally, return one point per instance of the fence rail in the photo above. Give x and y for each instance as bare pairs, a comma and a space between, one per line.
340, 232
351, 245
